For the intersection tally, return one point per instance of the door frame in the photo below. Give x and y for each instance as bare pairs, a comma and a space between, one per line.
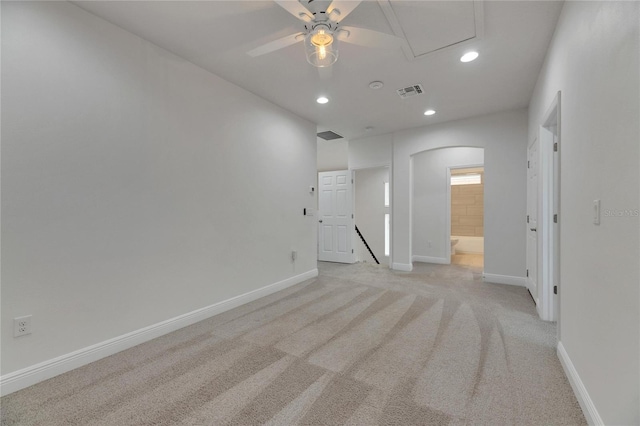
534, 225
549, 205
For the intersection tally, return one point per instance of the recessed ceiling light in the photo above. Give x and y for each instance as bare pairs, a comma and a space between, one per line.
469, 56
375, 85
322, 100
429, 112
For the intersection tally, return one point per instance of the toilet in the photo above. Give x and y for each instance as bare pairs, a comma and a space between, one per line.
454, 241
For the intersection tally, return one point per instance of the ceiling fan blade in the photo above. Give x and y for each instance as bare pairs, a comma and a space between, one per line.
295, 8
343, 8
276, 44
368, 38
325, 73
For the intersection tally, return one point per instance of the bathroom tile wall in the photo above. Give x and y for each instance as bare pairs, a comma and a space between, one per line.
467, 211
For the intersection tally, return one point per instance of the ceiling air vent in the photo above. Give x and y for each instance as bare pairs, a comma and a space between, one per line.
410, 91
329, 135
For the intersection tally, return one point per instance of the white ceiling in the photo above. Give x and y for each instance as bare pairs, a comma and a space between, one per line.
511, 37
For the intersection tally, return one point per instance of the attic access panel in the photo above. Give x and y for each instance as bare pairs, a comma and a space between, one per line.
430, 26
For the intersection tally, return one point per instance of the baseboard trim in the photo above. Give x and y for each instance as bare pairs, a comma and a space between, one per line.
406, 267
429, 259
504, 279
585, 401
45, 370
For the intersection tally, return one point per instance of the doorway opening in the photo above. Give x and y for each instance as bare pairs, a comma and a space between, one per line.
372, 213
466, 187
431, 200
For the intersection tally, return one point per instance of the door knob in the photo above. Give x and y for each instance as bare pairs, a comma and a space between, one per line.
533, 229
320, 221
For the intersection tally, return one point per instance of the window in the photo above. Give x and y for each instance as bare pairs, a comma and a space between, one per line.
386, 234
386, 194
386, 219
466, 179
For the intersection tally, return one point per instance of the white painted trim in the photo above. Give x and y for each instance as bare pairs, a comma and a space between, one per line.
429, 259
504, 279
586, 403
545, 225
407, 267
45, 370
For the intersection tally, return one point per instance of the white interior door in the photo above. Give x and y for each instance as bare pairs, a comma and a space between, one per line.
336, 225
532, 219
556, 229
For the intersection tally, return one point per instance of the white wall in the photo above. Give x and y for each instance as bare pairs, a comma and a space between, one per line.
373, 151
332, 155
430, 232
136, 187
593, 61
370, 211
504, 139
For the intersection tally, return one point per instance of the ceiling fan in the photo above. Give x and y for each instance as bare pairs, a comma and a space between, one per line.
322, 30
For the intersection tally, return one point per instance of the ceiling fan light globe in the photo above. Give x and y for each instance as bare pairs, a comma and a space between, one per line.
321, 48
321, 60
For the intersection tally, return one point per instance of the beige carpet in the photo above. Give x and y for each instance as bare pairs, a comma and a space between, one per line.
359, 345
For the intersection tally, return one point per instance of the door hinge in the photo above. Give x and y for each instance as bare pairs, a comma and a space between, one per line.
555, 218
555, 289
527, 218
351, 250
351, 215
352, 181
528, 164
555, 147
527, 272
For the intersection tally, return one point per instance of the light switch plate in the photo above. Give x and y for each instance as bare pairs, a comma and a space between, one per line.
596, 212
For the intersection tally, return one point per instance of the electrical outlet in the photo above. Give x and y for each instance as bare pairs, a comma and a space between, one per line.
21, 326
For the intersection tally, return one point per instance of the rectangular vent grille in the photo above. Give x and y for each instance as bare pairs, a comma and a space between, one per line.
329, 135
410, 91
